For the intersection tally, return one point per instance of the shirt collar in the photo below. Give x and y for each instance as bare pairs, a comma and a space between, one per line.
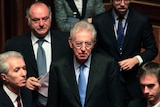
116, 17
47, 38
11, 94
87, 63
157, 105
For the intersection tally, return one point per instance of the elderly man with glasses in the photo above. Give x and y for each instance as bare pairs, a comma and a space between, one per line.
85, 78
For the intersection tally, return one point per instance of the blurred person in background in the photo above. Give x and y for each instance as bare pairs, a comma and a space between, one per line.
68, 12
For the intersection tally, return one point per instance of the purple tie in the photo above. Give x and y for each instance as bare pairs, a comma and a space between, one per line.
18, 101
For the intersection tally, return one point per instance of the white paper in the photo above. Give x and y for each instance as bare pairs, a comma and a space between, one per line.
44, 80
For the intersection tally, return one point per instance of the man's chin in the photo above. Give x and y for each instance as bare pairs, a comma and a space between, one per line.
22, 85
41, 35
83, 59
122, 11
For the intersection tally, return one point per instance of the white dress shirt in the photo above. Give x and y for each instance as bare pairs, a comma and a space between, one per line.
157, 105
86, 69
46, 46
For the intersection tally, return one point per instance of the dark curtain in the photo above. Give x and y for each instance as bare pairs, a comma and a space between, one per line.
12, 20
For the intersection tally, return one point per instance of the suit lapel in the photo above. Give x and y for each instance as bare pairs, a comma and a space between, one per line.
69, 73
27, 97
111, 31
6, 101
130, 27
84, 8
29, 52
73, 7
93, 76
52, 46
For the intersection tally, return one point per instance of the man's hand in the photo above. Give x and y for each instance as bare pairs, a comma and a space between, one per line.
32, 83
128, 64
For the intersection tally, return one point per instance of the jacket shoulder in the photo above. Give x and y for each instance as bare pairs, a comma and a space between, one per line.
19, 38
17, 42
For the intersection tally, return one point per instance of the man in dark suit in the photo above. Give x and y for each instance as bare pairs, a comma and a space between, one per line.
135, 33
149, 78
55, 44
101, 79
13, 73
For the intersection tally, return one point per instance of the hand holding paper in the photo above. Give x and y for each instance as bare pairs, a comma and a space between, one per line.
44, 85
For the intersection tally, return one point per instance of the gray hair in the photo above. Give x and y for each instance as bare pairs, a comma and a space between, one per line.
4, 67
83, 25
37, 2
150, 68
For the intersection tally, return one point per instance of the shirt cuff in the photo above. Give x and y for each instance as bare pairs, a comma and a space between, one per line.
139, 59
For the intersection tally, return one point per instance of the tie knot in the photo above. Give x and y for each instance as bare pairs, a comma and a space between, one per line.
120, 18
18, 98
18, 101
82, 66
40, 42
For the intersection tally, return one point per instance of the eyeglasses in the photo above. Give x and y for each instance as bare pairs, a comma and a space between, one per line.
120, 1
79, 44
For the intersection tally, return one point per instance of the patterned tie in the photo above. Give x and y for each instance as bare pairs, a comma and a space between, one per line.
18, 101
82, 85
120, 34
41, 58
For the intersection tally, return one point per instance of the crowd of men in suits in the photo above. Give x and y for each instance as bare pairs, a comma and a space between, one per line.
108, 45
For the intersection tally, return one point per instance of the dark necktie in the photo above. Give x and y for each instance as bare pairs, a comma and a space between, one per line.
120, 34
41, 58
82, 85
18, 101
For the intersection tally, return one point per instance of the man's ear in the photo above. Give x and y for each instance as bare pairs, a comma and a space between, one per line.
27, 20
4, 77
70, 42
95, 42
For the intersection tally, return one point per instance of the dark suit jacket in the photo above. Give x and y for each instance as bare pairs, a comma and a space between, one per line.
102, 88
138, 35
25, 94
140, 102
23, 44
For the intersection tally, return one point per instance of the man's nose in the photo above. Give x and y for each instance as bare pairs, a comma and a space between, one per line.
122, 3
146, 90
